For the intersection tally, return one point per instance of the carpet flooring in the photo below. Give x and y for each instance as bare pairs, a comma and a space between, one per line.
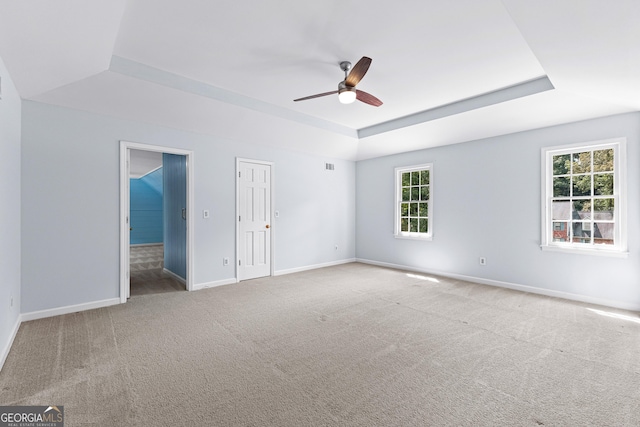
350, 345
153, 281
147, 275
147, 257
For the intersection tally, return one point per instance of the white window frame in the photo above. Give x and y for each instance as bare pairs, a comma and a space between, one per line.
398, 199
619, 248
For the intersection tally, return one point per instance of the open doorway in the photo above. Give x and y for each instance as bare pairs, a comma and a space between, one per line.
155, 219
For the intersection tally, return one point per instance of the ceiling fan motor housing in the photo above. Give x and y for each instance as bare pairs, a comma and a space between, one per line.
346, 94
342, 86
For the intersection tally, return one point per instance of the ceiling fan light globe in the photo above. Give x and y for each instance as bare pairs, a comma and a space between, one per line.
347, 95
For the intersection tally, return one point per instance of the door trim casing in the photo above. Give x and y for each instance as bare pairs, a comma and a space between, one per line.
125, 146
272, 199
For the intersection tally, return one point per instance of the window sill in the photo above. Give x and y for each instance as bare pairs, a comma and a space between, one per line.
413, 237
613, 253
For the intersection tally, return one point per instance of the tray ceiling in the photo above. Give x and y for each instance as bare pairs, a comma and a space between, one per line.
447, 72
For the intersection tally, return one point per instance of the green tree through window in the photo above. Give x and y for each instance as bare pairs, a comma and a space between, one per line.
583, 193
413, 204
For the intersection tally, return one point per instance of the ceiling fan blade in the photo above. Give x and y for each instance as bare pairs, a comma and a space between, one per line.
367, 98
316, 96
358, 71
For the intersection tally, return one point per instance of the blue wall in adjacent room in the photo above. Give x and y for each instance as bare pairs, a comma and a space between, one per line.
175, 225
146, 208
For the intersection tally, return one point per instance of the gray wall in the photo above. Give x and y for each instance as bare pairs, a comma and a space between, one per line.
67, 260
9, 209
487, 203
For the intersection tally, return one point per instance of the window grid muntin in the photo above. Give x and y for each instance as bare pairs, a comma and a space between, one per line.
590, 223
413, 217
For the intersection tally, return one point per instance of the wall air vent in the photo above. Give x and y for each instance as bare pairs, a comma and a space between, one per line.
329, 166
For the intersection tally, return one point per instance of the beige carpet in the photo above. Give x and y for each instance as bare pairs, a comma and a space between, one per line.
352, 345
153, 281
147, 257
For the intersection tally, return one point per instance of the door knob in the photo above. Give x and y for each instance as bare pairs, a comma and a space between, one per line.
267, 225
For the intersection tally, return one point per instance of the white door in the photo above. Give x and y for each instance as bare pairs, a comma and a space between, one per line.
127, 234
254, 220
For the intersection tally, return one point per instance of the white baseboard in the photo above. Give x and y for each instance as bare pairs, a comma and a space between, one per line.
523, 288
41, 314
9, 343
34, 315
275, 273
175, 276
313, 267
208, 285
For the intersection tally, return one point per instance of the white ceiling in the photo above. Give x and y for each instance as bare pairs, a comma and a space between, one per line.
142, 162
232, 69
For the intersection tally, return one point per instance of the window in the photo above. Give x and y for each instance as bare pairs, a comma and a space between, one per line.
584, 198
414, 214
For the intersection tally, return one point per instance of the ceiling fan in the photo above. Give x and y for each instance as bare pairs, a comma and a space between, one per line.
347, 92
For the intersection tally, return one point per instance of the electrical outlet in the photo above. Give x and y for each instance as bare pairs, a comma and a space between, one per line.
205, 214
483, 261
336, 247
225, 261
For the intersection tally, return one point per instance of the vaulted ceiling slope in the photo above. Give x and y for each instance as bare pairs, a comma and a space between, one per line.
447, 71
